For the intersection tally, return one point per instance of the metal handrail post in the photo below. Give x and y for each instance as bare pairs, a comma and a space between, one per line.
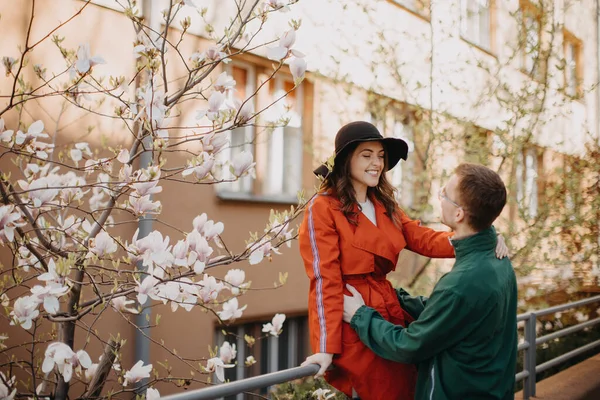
530, 357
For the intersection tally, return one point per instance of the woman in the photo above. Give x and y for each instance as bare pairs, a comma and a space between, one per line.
353, 232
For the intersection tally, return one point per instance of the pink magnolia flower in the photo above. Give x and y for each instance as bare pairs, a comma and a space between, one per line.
227, 352
123, 156
231, 310
146, 188
25, 311
52, 276
264, 250
217, 366
245, 110
213, 53
212, 229
275, 327
138, 372
214, 141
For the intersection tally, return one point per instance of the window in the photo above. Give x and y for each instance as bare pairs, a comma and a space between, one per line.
284, 160
531, 31
418, 6
476, 22
278, 152
240, 139
271, 353
527, 182
573, 65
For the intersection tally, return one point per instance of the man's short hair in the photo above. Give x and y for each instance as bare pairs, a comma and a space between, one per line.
482, 194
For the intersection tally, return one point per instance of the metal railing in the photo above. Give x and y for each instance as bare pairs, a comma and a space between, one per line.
528, 374
530, 367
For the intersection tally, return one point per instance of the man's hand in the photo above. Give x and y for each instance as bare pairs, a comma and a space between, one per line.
323, 359
352, 303
501, 248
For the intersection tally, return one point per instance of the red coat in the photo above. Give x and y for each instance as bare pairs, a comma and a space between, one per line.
336, 252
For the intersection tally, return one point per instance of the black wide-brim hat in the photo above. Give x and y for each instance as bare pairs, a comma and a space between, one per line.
361, 131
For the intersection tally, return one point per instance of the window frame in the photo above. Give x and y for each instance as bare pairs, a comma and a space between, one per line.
490, 47
571, 39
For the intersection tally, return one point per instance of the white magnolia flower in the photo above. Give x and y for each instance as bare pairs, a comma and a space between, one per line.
137, 373
65, 359
279, 5
102, 244
323, 394
43, 190
209, 288
52, 276
264, 250
25, 311
243, 164
213, 53
235, 278
123, 156
212, 229
10, 219
275, 326
298, 68
224, 83
35, 131
120, 304
250, 361
89, 373
215, 141
143, 205
227, 352
217, 366
79, 150
147, 288
215, 103
231, 310
245, 110
5, 393
200, 166
286, 42
151, 393
84, 59
146, 188
48, 295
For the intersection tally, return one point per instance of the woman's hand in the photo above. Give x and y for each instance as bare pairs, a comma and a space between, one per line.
501, 248
322, 359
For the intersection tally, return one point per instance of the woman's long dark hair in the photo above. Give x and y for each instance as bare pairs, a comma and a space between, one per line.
339, 183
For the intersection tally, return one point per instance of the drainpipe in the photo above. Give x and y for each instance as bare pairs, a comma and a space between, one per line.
141, 335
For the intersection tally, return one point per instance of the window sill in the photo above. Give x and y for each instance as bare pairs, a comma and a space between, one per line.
478, 47
256, 198
416, 13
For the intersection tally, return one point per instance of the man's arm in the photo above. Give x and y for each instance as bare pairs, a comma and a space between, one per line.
414, 305
442, 323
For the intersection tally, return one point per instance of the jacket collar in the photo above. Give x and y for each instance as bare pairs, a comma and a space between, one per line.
484, 240
384, 240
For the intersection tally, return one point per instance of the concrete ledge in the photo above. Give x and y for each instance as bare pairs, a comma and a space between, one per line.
579, 382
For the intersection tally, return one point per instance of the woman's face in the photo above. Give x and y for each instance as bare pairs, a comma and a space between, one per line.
366, 165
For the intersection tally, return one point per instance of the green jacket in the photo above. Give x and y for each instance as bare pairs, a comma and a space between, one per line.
464, 340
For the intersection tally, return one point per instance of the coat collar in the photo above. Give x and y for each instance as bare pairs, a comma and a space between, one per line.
384, 240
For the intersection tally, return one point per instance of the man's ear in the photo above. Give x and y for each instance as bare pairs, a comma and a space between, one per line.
460, 215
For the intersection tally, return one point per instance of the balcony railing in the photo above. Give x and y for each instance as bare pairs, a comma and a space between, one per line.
528, 374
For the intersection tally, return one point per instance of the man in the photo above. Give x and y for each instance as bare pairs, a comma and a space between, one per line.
464, 339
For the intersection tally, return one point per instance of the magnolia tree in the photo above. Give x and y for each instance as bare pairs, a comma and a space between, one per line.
62, 204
